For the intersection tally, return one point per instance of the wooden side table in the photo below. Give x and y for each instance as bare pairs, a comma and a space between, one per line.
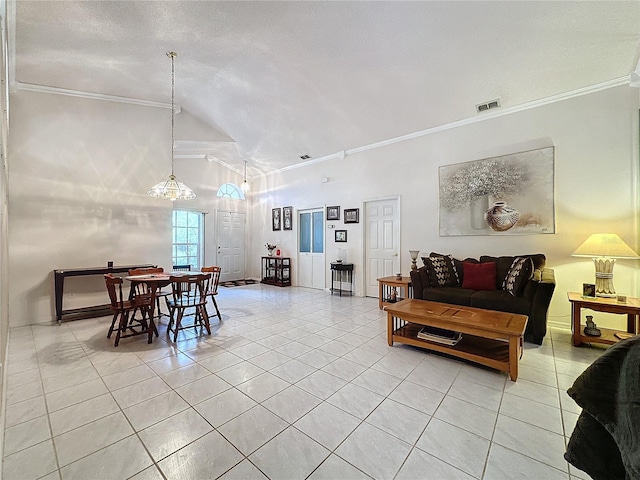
385, 288
602, 304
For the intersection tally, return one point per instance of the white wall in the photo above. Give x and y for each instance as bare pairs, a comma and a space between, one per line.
596, 178
79, 170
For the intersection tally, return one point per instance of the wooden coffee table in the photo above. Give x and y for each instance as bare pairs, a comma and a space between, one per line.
489, 337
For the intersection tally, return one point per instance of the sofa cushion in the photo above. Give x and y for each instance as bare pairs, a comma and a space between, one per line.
479, 276
519, 274
441, 271
453, 295
456, 265
501, 301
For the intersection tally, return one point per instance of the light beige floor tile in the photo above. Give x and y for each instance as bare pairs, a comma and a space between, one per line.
291, 454
263, 386
321, 384
373, 451
21, 465
207, 457
221, 408
82, 413
154, 410
252, 429
139, 392
539, 444
530, 411
128, 377
291, 403
120, 460
467, 416
293, 371
184, 375
168, 436
26, 434
505, 464
202, 389
399, 420
355, 400
328, 425
455, 446
240, 373
245, 470
377, 382
23, 411
420, 462
90, 438
24, 392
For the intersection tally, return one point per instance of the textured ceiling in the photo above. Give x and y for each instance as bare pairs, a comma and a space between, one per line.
282, 79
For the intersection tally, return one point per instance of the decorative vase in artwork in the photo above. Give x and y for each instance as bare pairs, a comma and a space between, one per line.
501, 217
477, 208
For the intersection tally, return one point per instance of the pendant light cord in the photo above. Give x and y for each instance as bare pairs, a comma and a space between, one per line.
172, 55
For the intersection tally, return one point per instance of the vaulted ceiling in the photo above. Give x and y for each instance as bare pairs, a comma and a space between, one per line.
268, 82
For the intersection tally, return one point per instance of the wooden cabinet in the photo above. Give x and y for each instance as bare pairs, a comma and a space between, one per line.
276, 271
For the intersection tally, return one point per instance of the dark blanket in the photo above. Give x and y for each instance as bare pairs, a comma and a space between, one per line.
606, 440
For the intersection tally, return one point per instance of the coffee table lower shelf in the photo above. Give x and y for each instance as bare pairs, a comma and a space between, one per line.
485, 351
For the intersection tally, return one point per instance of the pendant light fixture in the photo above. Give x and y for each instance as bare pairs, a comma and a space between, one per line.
245, 185
172, 189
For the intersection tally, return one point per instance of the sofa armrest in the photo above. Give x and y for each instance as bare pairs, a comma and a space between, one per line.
540, 305
417, 283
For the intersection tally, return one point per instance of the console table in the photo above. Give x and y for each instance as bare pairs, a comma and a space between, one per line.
342, 273
84, 312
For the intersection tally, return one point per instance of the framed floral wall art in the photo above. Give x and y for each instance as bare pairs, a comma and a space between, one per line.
507, 195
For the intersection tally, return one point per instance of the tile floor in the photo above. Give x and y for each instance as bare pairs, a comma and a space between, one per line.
293, 384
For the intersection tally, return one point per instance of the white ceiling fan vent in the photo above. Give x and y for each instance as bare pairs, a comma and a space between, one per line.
483, 107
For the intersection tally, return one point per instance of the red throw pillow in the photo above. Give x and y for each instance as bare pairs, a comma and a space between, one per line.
479, 276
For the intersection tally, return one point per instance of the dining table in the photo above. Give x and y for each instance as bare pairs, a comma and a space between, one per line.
155, 281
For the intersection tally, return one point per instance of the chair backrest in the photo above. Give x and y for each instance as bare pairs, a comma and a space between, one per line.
182, 268
215, 278
190, 289
114, 288
145, 271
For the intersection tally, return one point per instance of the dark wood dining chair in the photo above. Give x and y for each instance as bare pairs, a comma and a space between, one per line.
213, 285
188, 292
141, 288
123, 312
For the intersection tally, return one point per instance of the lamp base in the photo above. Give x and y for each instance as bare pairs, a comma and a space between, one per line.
604, 277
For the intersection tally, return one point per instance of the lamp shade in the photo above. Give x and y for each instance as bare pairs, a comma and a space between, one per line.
605, 245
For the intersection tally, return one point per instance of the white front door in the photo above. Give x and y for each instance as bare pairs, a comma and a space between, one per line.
382, 242
311, 248
230, 254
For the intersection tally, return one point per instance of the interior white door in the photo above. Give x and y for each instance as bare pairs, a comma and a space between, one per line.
230, 254
382, 242
310, 262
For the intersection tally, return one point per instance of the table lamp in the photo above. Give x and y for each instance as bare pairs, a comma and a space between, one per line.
414, 256
605, 248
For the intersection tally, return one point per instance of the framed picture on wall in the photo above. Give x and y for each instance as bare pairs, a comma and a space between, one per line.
341, 235
351, 215
276, 219
333, 213
287, 218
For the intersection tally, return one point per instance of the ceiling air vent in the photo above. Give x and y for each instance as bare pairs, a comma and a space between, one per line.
483, 107
305, 157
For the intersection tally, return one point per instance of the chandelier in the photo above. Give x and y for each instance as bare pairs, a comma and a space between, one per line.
172, 189
245, 185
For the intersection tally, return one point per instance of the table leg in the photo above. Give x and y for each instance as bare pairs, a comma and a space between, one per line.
379, 295
514, 346
575, 323
390, 329
152, 324
631, 323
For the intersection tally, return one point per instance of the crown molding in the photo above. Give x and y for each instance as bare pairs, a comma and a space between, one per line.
90, 95
481, 117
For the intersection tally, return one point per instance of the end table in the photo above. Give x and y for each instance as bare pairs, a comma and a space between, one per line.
387, 286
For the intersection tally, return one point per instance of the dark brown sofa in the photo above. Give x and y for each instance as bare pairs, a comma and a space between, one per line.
531, 296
